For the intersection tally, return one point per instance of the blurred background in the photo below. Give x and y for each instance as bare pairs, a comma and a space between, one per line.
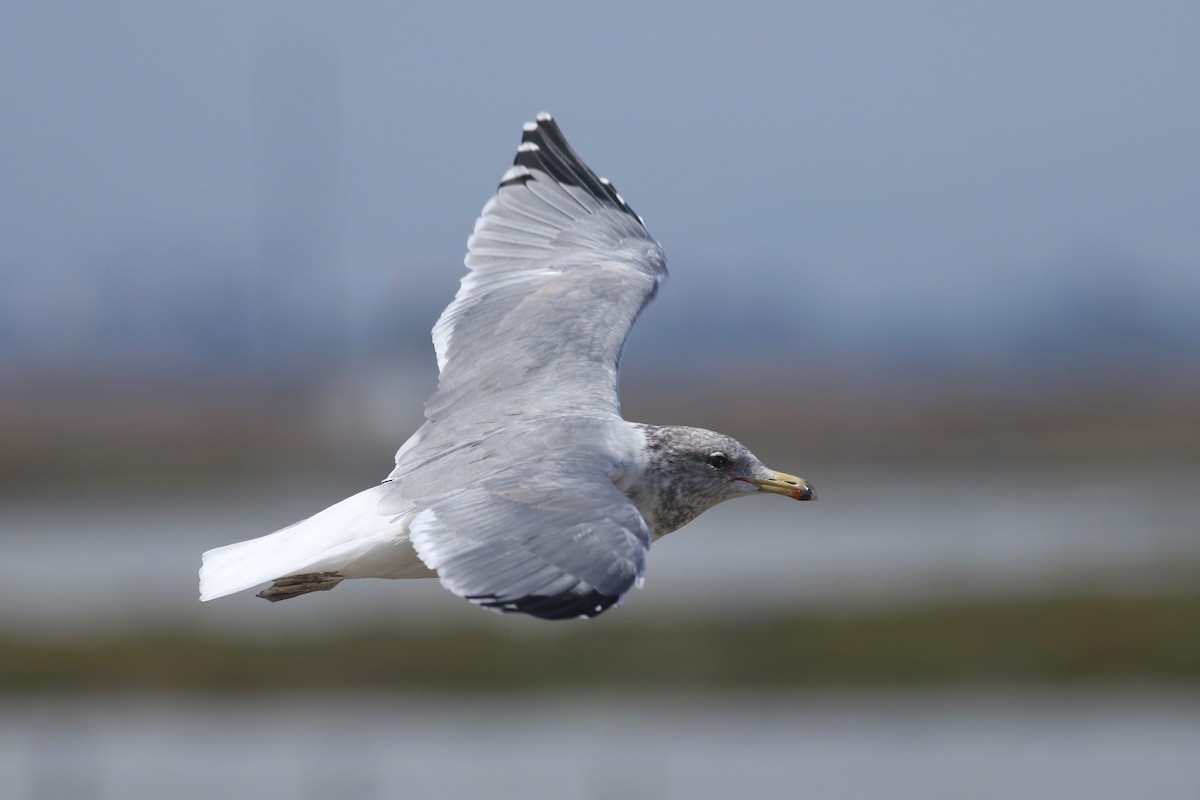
941, 259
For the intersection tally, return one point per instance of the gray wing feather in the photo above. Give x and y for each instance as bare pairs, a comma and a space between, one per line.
554, 539
559, 269
513, 514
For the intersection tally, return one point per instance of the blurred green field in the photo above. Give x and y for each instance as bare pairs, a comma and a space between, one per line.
1149, 638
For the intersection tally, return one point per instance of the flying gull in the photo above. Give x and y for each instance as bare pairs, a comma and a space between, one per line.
524, 490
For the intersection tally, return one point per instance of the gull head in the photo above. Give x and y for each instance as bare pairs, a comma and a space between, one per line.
686, 471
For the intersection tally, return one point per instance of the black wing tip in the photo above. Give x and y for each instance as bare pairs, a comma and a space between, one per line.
568, 605
544, 147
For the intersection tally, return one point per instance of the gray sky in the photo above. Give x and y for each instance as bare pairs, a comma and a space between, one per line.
847, 181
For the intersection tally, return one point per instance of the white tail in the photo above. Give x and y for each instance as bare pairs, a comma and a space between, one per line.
350, 538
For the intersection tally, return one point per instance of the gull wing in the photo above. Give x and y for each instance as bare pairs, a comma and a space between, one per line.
559, 268
554, 539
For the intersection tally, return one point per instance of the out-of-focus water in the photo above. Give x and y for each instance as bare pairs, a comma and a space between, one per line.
873, 537
1023, 746
82, 565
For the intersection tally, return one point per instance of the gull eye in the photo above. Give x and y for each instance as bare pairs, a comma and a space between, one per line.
717, 460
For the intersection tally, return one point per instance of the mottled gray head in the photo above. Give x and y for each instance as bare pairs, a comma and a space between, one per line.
689, 470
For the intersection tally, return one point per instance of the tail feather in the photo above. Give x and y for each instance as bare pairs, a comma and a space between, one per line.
349, 538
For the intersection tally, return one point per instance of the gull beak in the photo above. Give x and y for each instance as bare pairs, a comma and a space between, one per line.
782, 483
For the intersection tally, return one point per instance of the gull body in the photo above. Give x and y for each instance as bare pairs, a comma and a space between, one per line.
525, 490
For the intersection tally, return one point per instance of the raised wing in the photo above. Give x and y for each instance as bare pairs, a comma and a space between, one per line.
554, 539
559, 268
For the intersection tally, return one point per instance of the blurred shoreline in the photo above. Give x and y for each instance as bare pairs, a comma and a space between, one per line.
143, 431
972, 531
1131, 639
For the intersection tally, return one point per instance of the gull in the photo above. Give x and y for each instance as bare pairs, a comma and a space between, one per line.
524, 490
